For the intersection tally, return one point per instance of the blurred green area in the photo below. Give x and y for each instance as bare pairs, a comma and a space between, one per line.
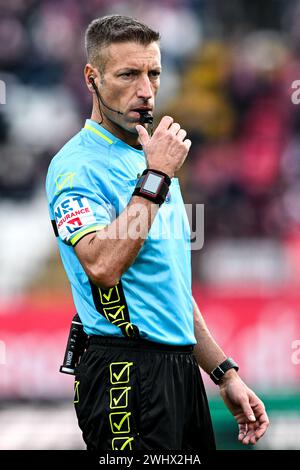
284, 430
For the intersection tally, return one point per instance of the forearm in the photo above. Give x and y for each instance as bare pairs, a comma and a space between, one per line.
108, 253
207, 352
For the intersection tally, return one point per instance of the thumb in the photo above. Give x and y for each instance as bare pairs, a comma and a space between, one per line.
143, 135
247, 410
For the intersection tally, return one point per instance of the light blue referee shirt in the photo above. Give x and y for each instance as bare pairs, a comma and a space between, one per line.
89, 183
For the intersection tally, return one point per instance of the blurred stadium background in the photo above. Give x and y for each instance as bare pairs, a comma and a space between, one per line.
228, 74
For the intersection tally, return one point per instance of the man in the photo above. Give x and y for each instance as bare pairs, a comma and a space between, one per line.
113, 195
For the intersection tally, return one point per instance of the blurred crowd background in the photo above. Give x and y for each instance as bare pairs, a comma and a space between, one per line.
228, 74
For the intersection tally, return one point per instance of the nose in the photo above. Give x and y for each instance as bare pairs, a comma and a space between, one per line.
144, 89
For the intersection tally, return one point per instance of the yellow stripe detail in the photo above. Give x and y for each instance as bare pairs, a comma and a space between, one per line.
76, 392
91, 128
88, 230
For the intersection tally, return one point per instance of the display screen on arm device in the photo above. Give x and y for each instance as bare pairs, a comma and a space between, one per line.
152, 183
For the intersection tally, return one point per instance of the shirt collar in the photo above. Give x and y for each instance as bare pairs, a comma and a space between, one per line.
99, 131
102, 134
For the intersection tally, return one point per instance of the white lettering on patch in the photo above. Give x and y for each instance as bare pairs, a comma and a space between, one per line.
72, 214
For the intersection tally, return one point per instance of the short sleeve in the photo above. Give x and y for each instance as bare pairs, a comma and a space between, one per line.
80, 201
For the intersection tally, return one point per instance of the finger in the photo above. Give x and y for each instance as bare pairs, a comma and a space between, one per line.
245, 432
187, 143
165, 123
262, 425
253, 440
242, 431
174, 128
262, 419
250, 438
246, 440
254, 434
247, 410
143, 135
260, 432
242, 435
181, 134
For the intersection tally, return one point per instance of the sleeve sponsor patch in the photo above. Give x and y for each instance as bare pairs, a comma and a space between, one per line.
72, 214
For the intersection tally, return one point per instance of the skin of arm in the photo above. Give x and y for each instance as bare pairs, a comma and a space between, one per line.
241, 401
106, 254
207, 352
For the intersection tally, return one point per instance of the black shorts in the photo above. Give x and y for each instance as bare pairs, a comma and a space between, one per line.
138, 395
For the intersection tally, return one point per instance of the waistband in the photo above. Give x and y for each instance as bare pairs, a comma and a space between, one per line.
142, 344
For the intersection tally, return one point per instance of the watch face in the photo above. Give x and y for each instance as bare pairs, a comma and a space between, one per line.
152, 183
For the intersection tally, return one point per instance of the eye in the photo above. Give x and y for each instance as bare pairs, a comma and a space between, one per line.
130, 74
155, 73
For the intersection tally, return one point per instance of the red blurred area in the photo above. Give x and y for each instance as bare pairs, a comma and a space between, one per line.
260, 332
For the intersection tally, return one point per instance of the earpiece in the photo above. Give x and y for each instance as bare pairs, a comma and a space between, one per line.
92, 83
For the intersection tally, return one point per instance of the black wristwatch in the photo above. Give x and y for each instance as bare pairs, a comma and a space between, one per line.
220, 370
153, 185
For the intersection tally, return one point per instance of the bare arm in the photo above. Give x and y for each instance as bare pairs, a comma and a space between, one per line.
207, 352
242, 402
108, 253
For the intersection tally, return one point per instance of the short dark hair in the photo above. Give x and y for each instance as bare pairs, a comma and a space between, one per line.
104, 31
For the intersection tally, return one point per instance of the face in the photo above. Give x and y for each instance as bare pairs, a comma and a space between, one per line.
129, 82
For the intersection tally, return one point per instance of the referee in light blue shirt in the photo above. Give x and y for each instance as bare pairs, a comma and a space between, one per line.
90, 182
124, 240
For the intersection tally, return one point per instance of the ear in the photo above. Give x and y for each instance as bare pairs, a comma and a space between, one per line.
89, 71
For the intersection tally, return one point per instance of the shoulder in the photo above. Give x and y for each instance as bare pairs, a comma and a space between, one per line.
78, 153
77, 163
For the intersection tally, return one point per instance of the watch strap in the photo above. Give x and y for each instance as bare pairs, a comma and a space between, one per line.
160, 196
220, 370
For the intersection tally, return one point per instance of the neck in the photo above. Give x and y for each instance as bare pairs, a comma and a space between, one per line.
122, 134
